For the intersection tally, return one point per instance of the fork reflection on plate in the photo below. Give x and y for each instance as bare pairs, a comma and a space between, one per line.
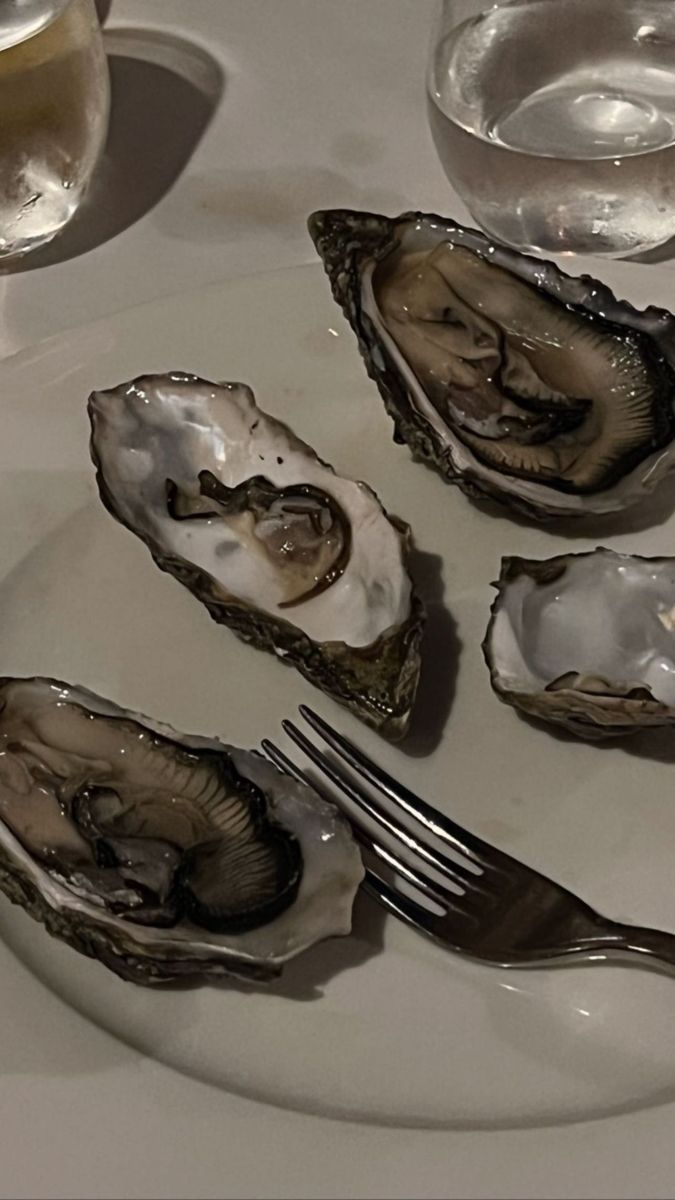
475, 899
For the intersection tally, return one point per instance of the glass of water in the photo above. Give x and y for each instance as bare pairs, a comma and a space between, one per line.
555, 120
54, 101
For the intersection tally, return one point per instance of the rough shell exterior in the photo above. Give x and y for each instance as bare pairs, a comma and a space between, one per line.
593, 717
376, 682
153, 955
347, 241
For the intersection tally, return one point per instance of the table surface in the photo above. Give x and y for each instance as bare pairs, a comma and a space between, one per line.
232, 120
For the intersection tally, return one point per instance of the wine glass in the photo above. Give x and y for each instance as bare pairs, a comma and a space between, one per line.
555, 120
54, 103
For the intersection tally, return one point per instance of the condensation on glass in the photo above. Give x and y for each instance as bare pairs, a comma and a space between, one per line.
555, 120
54, 101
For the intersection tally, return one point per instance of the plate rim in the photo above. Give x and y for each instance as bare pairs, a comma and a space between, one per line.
557, 1140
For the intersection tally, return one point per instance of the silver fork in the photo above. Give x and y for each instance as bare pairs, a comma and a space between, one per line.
488, 906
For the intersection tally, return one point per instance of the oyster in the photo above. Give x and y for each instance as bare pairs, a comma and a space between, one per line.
513, 379
162, 855
586, 641
291, 556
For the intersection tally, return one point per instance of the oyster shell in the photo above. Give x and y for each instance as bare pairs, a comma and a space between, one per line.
511, 378
291, 556
586, 641
162, 855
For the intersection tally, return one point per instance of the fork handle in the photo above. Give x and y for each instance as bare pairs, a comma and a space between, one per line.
646, 946
597, 940
612, 941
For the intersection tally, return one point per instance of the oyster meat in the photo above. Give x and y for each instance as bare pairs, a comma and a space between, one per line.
162, 855
513, 379
586, 641
291, 556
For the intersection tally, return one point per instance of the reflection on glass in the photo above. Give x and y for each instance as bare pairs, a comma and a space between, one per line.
555, 119
54, 99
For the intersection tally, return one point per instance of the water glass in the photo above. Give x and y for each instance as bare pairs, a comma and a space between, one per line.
555, 120
54, 101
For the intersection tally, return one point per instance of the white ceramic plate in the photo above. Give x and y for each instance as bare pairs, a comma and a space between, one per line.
384, 1027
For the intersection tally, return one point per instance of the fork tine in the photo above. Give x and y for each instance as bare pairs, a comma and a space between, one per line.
441, 826
403, 907
284, 763
434, 891
452, 870
394, 901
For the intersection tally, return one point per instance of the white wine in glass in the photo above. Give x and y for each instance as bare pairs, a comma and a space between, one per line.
54, 102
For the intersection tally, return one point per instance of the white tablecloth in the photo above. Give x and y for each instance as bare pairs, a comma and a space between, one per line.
322, 104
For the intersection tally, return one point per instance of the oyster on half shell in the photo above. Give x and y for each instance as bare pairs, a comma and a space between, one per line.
513, 379
292, 557
586, 641
162, 855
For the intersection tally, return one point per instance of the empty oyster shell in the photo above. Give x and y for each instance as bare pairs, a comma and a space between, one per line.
586, 641
291, 556
159, 854
511, 378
